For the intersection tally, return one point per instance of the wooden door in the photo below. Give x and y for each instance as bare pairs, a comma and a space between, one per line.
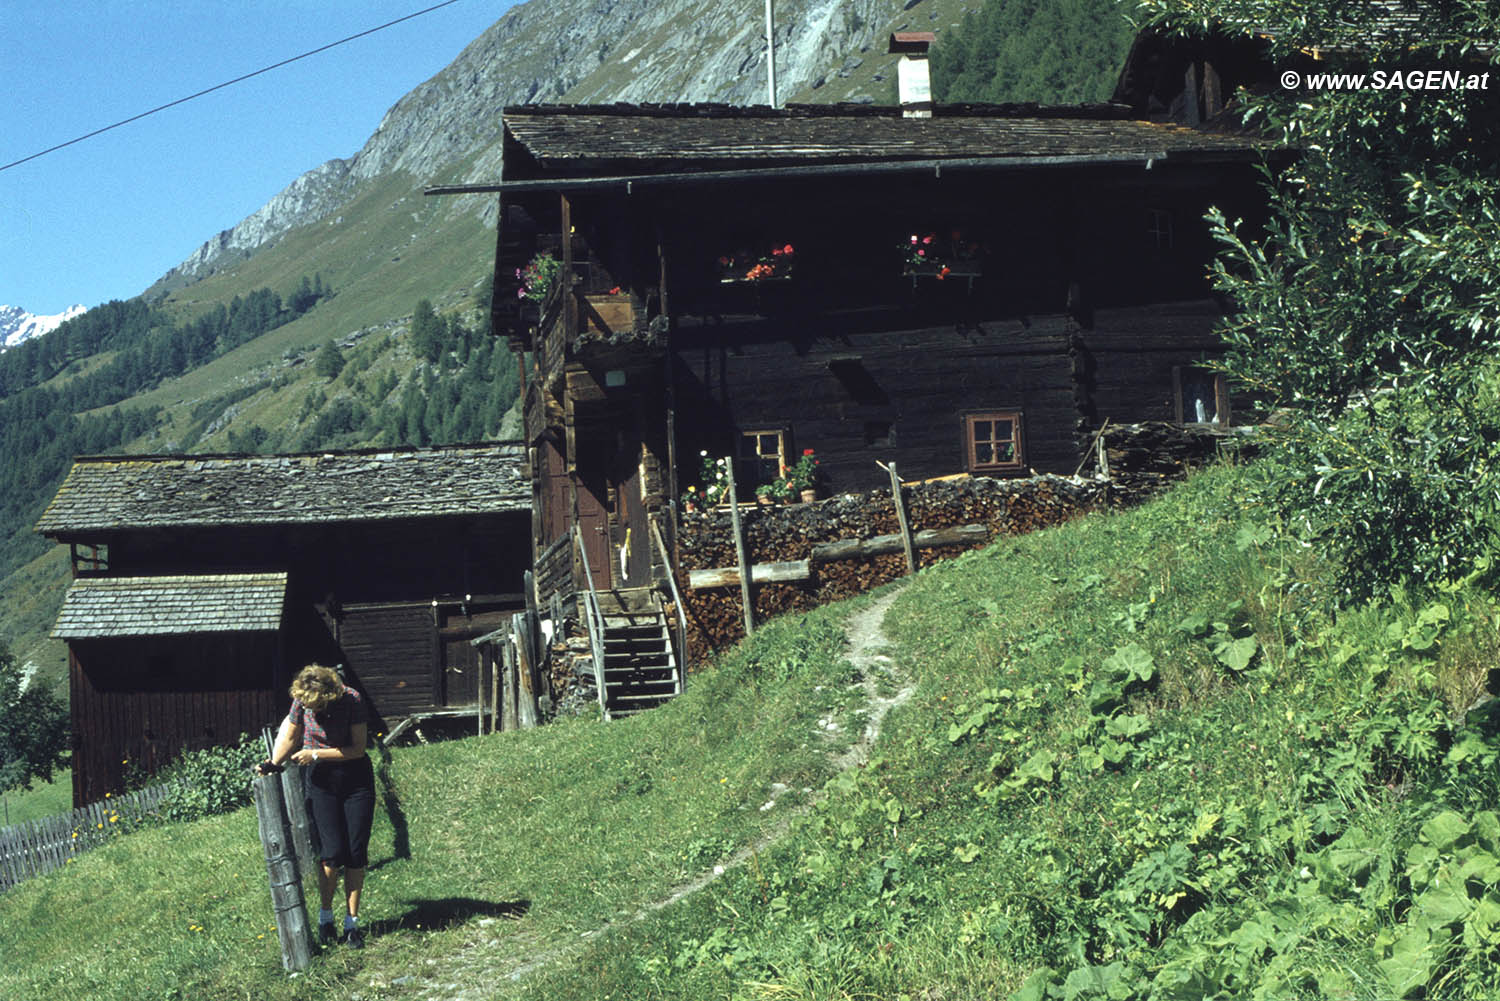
593, 517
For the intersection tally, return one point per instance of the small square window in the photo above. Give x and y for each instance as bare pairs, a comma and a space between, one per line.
993, 441
762, 457
1202, 395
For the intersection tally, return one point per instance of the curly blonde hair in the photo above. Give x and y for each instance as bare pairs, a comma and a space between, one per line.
317, 687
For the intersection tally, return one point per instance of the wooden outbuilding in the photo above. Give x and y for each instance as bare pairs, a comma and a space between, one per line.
202, 583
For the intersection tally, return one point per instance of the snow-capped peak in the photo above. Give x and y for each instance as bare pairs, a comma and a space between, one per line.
17, 325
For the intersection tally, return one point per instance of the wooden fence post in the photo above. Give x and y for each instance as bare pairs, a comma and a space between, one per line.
294, 793
508, 717
906, 542
739, 550
292, 926
527, 713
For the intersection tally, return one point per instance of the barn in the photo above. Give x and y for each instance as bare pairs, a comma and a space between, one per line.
201, 583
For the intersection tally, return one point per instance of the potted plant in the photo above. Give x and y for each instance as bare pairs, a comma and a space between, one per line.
780, 491
942, 257
690, 501
803, 476
538, 277
746, 266
715, 479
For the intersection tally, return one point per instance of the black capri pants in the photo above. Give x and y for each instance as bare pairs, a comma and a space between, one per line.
341, 802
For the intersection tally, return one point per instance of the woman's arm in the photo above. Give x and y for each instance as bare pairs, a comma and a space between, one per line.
352, 751
288, 737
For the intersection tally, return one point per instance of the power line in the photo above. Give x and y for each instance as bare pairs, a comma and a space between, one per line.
227, 83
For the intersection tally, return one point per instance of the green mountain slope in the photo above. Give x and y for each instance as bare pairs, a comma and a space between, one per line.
1140, 755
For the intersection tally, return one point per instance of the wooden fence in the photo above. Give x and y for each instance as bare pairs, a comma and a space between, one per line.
39, 846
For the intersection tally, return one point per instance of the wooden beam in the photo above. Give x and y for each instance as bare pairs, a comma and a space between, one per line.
881, 545
761, 573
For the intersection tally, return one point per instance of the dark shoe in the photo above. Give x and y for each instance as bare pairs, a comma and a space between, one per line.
354, 938
327, 933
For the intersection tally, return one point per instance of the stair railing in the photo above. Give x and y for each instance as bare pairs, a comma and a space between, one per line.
666, 560
595, 620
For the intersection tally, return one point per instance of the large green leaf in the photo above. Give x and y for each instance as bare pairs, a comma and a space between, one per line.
1131, 661
1444, 831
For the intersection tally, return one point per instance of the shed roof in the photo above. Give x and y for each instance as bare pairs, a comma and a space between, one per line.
583, 140
102, 607
109, 493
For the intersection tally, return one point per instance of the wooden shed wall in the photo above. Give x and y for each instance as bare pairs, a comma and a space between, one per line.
133, 712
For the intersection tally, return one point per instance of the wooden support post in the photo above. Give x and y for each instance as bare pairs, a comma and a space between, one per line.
906, 541
739, 550
292, 926
479, 695
508, 718
495, 663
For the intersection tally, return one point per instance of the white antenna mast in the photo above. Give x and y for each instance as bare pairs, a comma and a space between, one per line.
771, 49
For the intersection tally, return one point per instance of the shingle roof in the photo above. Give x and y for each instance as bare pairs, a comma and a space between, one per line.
115, 492
98, 607
578, 139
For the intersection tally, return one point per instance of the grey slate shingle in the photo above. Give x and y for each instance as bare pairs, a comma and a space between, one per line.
584, 139
132, 492
100, 607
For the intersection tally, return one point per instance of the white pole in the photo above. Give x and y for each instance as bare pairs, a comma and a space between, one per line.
771, 50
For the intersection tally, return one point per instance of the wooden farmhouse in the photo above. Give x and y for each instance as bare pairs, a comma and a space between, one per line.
202, 583
955, 289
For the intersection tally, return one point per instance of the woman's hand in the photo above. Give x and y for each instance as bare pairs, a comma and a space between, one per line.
305, 756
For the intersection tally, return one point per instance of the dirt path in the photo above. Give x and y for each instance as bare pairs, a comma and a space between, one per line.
466, 974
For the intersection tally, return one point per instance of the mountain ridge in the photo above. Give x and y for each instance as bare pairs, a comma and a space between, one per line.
18, 325
581, 51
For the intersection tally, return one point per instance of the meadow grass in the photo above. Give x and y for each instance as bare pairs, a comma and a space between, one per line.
988, 846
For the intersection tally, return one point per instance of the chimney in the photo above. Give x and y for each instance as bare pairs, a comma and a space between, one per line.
913, 79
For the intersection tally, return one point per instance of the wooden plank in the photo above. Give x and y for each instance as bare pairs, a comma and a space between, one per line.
496, 662
739, 551
880, 545
760, 573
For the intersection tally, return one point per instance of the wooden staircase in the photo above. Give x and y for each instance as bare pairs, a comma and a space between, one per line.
640, 666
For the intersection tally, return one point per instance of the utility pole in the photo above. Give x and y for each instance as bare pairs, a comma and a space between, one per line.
771, 49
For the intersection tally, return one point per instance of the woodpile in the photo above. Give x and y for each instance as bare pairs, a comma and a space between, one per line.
806, 555
852, 543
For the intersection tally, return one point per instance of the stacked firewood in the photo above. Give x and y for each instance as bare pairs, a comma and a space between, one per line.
805, 531
1145, 457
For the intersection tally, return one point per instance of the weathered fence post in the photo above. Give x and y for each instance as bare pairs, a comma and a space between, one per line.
906, 541
739, 550
508, 719
292, 927
527, 714
294, 793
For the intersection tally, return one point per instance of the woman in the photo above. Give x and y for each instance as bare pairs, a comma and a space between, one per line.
327, 724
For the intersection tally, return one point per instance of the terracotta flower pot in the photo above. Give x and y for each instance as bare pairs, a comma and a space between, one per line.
809, 495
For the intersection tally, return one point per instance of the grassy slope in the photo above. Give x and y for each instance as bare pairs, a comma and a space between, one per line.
924, 872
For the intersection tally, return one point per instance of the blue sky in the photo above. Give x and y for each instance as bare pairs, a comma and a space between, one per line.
105, 218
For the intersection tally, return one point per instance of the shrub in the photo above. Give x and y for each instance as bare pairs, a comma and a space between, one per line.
211, 781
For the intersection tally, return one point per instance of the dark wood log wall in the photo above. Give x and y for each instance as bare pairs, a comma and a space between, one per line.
139, 703
861, 396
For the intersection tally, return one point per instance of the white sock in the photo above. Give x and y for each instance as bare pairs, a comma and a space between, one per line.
325, 916
350, 921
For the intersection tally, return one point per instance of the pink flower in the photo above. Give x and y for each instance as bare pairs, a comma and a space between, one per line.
914, 238
921, 253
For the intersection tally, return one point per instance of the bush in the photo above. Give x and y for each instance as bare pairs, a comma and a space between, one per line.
211, 781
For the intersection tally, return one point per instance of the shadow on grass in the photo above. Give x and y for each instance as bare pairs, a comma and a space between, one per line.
435, 915
401, 837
